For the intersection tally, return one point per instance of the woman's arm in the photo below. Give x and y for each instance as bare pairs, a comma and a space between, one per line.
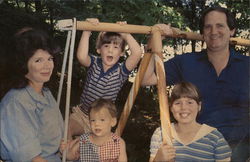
18, 133
223, 151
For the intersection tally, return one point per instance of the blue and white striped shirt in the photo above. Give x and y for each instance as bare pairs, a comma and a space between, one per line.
207, 145
100, 84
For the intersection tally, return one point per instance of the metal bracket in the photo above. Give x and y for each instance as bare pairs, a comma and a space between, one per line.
66, 24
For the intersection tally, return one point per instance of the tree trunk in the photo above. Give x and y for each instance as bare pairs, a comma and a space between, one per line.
38, 6
193, 9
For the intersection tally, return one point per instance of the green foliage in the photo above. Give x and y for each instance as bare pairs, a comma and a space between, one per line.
241, 9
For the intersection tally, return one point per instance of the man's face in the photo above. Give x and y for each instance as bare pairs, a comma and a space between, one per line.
216, 31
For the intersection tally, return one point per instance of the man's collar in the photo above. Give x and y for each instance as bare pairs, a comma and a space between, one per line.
233, 55
202, 55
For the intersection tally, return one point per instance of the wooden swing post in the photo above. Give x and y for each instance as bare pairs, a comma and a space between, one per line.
133, 93
156, 43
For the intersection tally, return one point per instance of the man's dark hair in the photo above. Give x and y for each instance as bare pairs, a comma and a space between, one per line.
231, 22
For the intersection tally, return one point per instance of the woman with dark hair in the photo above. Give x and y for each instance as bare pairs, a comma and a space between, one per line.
31, 122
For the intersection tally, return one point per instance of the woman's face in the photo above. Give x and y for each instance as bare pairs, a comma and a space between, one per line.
185, 110
40, 67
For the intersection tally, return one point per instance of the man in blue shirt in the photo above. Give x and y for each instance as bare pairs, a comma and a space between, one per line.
222, 76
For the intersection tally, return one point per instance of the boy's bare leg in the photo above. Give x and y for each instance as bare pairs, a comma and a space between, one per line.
75, 129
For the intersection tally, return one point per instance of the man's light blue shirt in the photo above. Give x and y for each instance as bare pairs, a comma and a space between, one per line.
31, 125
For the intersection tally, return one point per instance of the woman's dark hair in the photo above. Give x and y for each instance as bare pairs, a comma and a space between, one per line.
24, 44
231, 22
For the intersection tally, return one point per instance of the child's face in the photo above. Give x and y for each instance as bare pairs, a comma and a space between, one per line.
101, 122
110, 54
185, 110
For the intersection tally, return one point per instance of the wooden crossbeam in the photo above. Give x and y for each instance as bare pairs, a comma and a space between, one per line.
139, 29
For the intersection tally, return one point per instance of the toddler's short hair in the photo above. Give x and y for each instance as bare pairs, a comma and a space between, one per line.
110, 37
104, 103
185, 89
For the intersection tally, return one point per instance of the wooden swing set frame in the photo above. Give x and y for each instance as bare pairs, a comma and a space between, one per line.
72, 25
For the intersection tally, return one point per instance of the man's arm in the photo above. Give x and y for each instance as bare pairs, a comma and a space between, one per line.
150, 76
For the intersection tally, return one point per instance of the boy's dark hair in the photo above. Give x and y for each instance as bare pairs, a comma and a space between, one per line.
104, 103
184, 89
25, 43
110, 37
231, 22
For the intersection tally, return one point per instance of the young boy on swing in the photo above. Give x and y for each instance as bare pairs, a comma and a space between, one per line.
192, 141
100, 144
105, 76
